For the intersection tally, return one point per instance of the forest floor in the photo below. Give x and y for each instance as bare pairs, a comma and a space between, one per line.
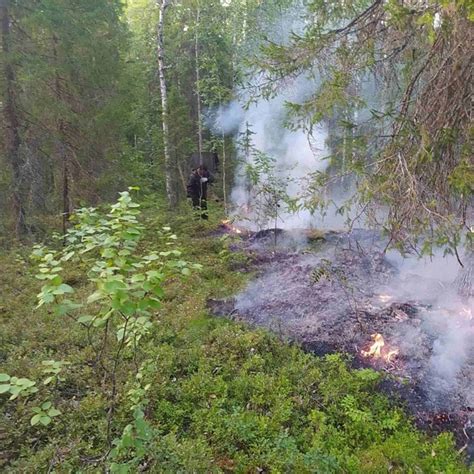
222, 397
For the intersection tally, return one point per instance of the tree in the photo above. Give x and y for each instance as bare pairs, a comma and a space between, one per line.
63, 68
404, 69
170, 193
12, 140
198, 80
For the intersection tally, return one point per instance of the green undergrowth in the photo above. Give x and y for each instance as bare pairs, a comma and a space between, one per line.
220, 397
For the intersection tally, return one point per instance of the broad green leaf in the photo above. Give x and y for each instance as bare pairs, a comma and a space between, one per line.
45, 420
47, 297
53, 412
128, 308
68, 256
97, 295
112, 286
85, 319
108, 253
4, 388
99, 322
120, 334
158, 291
15, 391
4, 377
35, 420
63, 288
152, 274
151, 257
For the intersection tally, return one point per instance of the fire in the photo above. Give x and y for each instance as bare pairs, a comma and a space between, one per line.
377, 351
228, 223
385, 298
392, 353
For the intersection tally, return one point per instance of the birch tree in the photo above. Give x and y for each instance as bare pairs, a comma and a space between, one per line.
170, 193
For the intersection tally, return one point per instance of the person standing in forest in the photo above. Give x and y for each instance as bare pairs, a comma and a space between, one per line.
197, 189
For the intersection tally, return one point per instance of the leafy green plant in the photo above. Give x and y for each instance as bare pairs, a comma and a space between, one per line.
44, 414
125, 285
24, 387
132, 446
17, 386
266, 186
53, 369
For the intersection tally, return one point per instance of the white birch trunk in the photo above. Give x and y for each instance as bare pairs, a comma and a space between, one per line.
170, 194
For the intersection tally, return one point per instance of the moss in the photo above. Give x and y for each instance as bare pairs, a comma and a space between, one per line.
222, 397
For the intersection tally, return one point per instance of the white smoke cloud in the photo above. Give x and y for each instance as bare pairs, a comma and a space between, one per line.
226, 119
447, 321
296, 154
443, 340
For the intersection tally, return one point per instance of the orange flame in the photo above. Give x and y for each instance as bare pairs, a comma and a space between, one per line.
228, 223
375, 349
378, 349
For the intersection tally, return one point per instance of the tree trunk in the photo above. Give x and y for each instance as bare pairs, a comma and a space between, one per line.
183, 179
171, 195
224, 164
63, 157
12, 124
198, 78
224, 173
61, 151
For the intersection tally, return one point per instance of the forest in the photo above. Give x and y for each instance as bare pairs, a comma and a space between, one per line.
236, 236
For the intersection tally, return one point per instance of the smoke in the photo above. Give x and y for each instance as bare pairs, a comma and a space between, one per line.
226, 119
411, 302
296, 153
436, 344
447, 326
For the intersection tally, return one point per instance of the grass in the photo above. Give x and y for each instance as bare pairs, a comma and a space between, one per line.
222, 397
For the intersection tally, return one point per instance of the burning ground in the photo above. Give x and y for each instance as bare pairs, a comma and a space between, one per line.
342, 293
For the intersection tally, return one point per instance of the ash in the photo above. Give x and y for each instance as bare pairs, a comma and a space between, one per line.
333, 292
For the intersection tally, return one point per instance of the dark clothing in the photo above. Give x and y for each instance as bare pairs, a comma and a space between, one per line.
197, 190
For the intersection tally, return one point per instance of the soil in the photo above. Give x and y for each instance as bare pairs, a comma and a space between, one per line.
334, 293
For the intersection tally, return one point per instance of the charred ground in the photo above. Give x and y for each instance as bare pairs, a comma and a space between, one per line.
340, 292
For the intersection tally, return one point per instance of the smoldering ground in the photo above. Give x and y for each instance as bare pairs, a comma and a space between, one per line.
332, 294
335, 293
